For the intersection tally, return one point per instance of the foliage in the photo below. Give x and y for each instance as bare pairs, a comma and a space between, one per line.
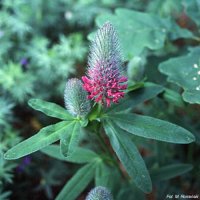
148, 31
8, 139
6, 112
189, 74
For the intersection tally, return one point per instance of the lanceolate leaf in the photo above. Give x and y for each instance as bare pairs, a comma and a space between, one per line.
78, 182
137, 96
43, 138
80, 155
129, 156
170, 171
70, 139
103, 175
107, 176
152, 128
50, 109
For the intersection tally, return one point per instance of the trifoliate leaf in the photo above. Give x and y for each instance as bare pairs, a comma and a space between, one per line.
185, 72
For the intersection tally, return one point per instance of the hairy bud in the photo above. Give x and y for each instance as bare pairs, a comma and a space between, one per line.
75, 98
104, 80
136, 68
99, 193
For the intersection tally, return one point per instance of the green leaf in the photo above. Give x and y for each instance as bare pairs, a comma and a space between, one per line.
176, 32
185, 72
152, 128
4, 195
43, 138
173, 97
107, 176
165, 8
80, 155
70, 139
135, 97
192, 9
84, 122
78, 182
135, 86
50, 109
142, 30
170, 171
103, 175
129, 192
129, 156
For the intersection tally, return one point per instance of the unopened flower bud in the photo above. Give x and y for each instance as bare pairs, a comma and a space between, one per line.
136, 68
75, 98
99, 193
68, 15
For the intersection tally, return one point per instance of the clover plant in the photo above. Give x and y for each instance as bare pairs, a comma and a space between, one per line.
101, 106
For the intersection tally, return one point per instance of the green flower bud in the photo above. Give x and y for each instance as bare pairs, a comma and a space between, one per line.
99, 193
75, 98
136, 68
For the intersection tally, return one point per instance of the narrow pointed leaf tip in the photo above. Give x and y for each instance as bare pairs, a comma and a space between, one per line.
75, 98
153, 128
104, 81
99, 193
50, 109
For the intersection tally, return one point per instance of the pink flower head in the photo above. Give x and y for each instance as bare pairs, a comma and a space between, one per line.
104, 81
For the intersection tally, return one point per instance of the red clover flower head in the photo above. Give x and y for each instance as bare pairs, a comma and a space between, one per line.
104, 81
75, 98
